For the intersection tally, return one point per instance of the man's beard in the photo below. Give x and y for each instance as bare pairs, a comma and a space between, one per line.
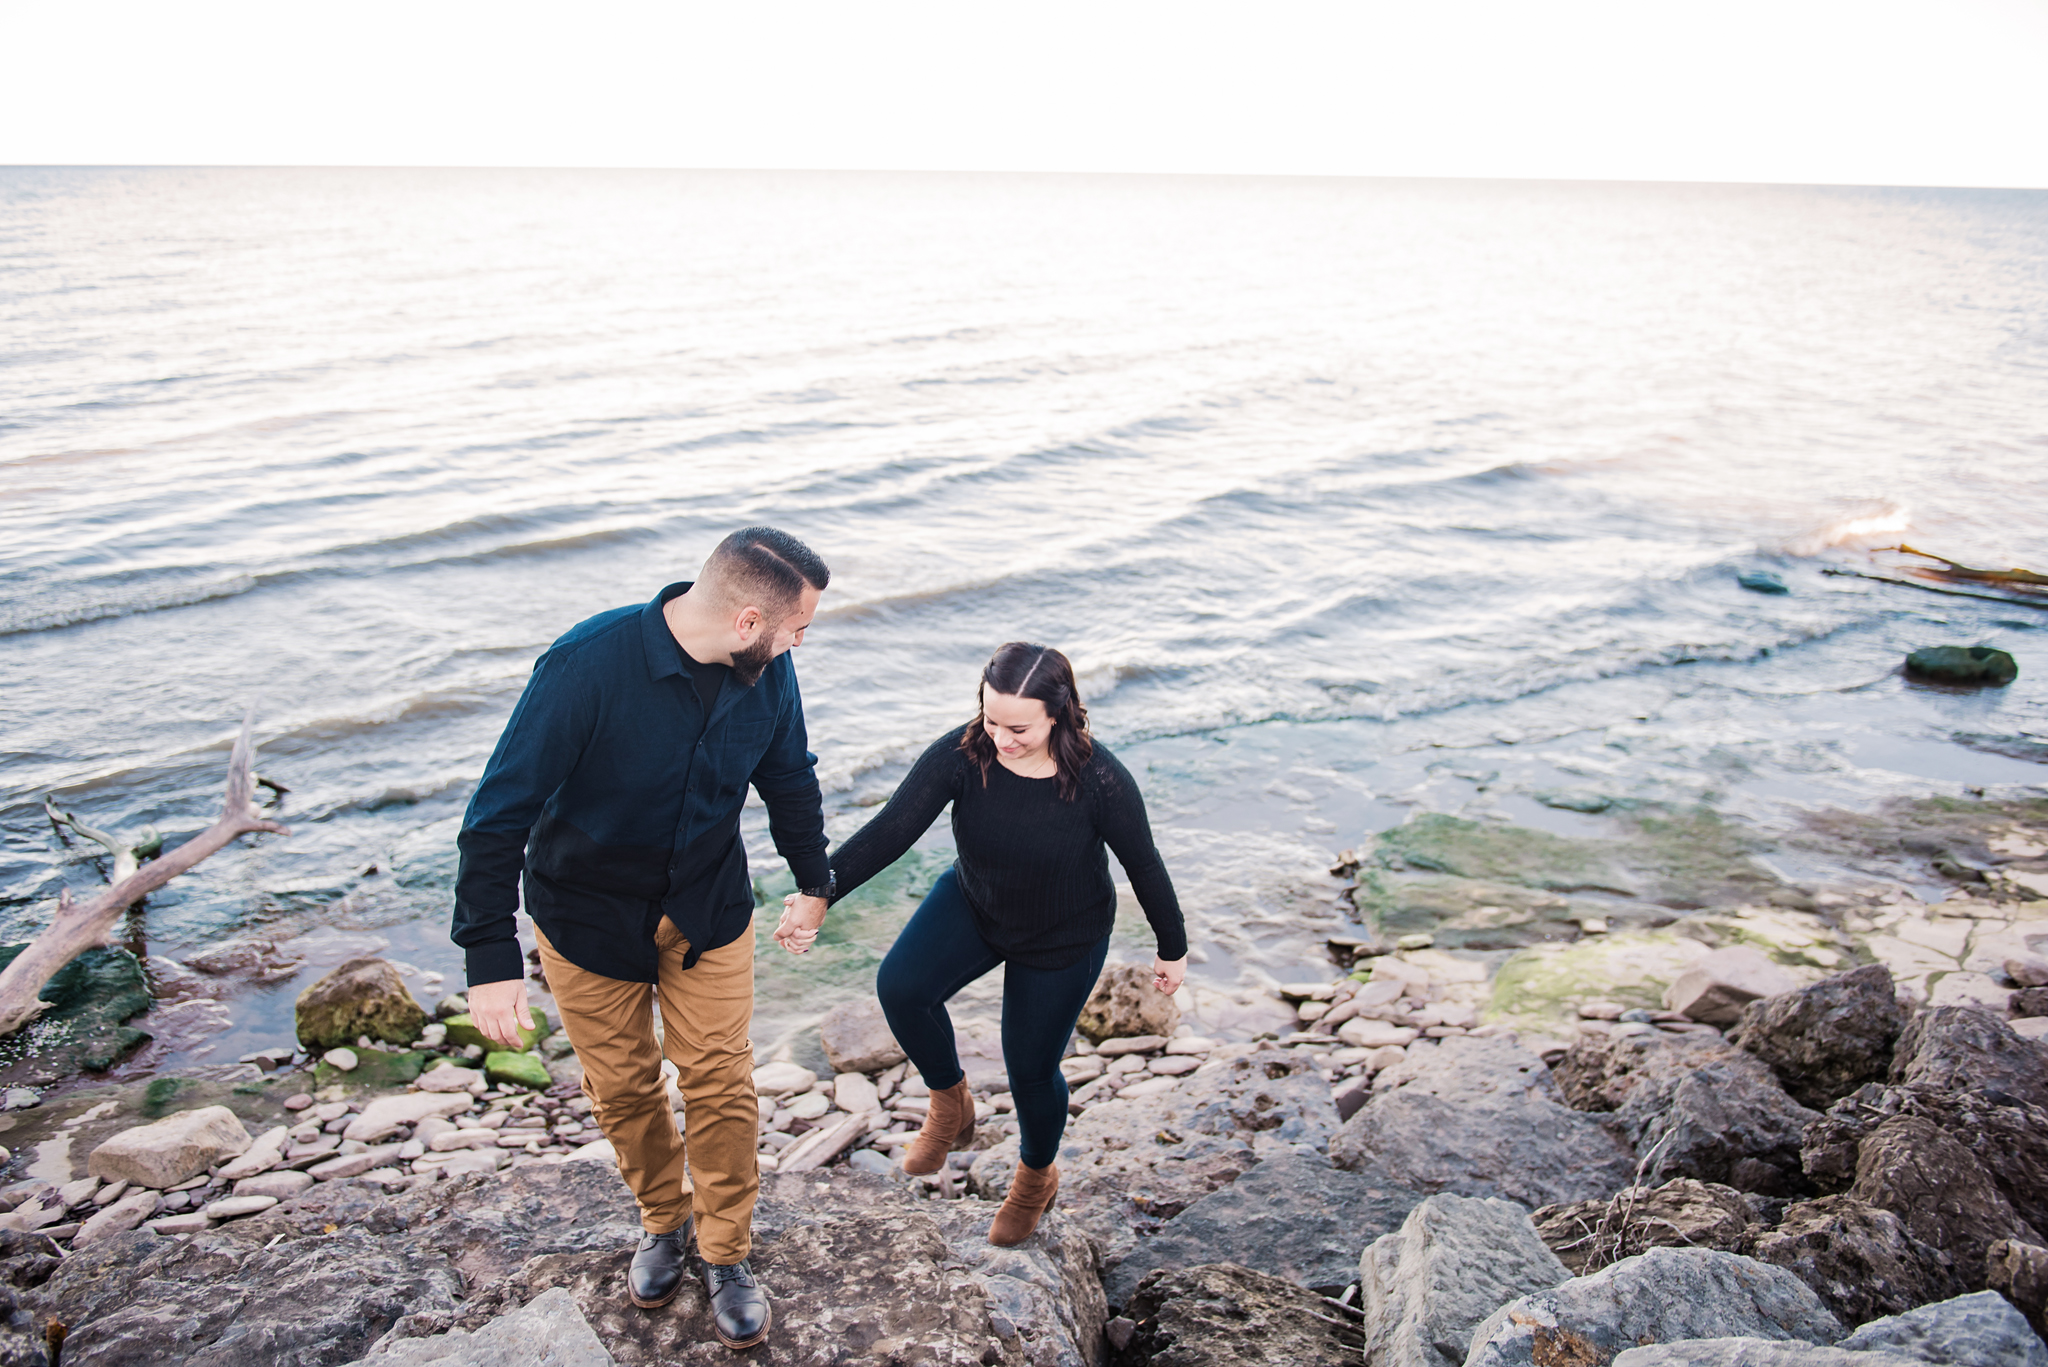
749, 664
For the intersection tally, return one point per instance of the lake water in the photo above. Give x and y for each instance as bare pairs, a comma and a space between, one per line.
1348, 498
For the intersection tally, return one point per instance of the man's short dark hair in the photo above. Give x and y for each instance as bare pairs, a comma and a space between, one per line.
765, 567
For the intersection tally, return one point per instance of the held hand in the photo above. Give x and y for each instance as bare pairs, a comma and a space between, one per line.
499, 1009
1167, 976
797, 931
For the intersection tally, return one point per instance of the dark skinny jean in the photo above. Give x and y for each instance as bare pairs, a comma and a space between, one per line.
939, 952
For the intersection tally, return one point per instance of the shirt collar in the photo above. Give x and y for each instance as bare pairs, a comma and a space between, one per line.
664, 655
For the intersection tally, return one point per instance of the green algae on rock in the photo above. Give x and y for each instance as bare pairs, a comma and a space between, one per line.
84, 1028
374, 1069
462, 1032
506, 1067
1546, 984
361, 997
1970, 666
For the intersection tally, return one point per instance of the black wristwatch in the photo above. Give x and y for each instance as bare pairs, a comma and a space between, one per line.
831, 886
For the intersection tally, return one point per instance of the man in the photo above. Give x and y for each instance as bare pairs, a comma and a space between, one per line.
616, 790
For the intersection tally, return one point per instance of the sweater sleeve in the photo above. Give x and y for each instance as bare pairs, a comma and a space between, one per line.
1120, 817
918, 800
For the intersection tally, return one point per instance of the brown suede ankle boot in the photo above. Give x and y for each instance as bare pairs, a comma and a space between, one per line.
948, 1125
1032, 1192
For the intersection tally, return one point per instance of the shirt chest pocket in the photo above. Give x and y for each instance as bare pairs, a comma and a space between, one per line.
736, 748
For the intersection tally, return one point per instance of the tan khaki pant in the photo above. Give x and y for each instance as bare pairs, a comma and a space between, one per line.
705, 1012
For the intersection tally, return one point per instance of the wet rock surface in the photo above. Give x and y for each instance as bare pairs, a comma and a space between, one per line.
1825, 1040
1482, 1117
1220, 1315
86, 1027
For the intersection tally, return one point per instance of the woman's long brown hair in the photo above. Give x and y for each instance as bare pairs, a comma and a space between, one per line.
1025, 670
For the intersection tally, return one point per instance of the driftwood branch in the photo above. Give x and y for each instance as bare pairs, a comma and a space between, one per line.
83, 925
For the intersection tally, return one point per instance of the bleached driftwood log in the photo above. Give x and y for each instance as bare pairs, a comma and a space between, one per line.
80, 926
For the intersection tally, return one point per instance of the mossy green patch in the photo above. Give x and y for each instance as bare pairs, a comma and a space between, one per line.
90, 999
374, 1069
1434, 842
509, 1069
1463, 913
462, 1032
1691, 857
1545, 985
160, 1093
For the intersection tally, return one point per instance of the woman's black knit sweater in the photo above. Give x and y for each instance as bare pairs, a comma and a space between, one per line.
1031, 863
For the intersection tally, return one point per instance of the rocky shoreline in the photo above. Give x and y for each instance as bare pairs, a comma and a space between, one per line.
1633, 1101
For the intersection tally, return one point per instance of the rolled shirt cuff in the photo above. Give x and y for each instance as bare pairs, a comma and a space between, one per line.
495, 962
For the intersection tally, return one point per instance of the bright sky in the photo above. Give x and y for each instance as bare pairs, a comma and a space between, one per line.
1920, 92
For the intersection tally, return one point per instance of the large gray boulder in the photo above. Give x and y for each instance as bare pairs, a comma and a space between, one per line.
1484, 1118
1292, 1216
1963, 1048
548, 1331
1860, 1260
1683, 1213
1661, 1296
1221, 1315
1454, 1261
1980, 1330
1756, 1353
1699, 1106
1829, 1038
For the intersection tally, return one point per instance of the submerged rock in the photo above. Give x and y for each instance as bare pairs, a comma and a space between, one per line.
1221, 1315
1292, 1216
1484, 1118
1664, 1295
90, 999
1125, 1003
1972, 666
1829, 1038
361, 997
1860, 1260
1453, 1262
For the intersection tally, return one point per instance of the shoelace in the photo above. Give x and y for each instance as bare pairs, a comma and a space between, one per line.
721, 1273
674, 1239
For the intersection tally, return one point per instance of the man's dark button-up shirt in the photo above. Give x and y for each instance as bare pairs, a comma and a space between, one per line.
619, 800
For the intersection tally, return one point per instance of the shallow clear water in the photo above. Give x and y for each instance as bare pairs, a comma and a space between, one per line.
1345, 496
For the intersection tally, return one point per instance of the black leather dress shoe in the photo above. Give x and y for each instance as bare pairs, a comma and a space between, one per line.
657, 1269
739, 1308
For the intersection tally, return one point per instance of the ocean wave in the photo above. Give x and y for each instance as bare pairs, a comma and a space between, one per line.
38, 612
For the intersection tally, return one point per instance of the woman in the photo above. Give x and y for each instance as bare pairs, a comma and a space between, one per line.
1035, 803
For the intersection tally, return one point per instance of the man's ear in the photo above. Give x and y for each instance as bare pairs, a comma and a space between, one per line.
748, 621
